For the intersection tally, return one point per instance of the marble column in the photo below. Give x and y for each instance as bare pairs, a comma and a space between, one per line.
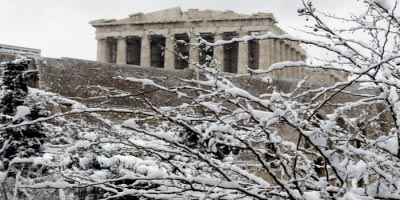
193, 51
278, 55
301, 74
303, 58
293, 73
278, 48
282, 45
293, 54
102, 50
282, 51
287, 72
169, 55
219, 50
298, 56
121, 50
287, 53
145, 51
265, 54
243, 55
272, 50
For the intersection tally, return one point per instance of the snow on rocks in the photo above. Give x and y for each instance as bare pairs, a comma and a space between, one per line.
130, 123
22, 111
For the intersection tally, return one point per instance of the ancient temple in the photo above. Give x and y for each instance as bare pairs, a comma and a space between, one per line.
150, 40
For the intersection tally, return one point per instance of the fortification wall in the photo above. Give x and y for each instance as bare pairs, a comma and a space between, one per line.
86, 80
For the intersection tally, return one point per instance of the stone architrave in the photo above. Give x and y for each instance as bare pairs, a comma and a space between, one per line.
145, 51
121, 51
243, 55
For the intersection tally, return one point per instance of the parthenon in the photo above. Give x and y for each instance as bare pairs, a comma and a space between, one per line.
149, 40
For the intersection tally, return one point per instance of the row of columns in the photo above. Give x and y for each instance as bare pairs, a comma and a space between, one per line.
270, 51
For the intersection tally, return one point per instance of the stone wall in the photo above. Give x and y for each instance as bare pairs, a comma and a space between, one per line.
85, 79
88, 79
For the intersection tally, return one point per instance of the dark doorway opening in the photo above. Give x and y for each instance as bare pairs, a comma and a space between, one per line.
157, 45
133, 46
230, 53
112, 46
205, 51
182, 51
254, 54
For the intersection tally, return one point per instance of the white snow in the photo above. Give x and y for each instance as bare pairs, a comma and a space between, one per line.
59, 185
22, 111
388, 143
3, 176
215, 107
130, 123
143, 81
282, 65
313, 195
90, 136
383, 3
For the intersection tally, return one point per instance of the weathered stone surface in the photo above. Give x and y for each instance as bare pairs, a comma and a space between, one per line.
87, 79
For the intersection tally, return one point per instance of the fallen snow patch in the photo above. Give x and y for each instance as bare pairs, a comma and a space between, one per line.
22, 111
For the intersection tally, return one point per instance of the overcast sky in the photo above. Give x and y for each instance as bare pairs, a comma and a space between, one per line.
60, 27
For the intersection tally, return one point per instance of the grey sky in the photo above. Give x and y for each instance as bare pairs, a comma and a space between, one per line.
60, 27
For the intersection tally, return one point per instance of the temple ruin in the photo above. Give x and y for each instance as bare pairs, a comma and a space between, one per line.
158, 39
